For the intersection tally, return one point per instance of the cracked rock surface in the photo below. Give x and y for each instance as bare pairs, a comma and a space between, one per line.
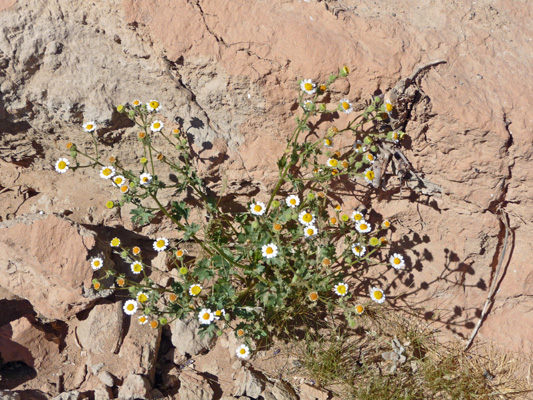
229, 69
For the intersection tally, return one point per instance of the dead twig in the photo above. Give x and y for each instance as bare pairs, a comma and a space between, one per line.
494, 281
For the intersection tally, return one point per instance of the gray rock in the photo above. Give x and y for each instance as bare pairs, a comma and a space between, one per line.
101, 332
106, 378
186, 339
6, 395
135, 387
74, 395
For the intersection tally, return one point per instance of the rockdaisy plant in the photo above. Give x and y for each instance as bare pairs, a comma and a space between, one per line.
248, 272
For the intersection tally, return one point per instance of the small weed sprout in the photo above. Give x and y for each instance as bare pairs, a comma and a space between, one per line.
253, 272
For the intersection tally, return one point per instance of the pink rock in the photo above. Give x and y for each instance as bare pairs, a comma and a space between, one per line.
46, 261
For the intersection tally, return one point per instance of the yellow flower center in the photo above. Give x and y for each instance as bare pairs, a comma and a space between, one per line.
292, 201
378, 295
334, 172
386, 224
154, 324
145, 179
142, 298
157, 125
310, 232
388, 107
62, 165
323, 88
218, 313
240, 332
206, 316
363, 227
96, 263
136, 102
97, 285
130, 307
136, 250
359, 308
370, 175
115, 242
357, 217
196, 290
338, 207
313, 296
370, 157
307, 217
90, 126
333, 220
160, 243
179, 253
118, 180
345, 164
326, 261
308, 86
341, 289
257, 208
358, 249
345, 105
107, 171
242, 351
137, 267
269, 250
277, 227
333, 163
121, 282
395, 135
327, 142
397, 261
124, 189
154, 104
142, 319
172, 297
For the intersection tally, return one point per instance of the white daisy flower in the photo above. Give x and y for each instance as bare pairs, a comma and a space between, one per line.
293, 201
269, 250
345, 106
124, 189
359, 146
308, 105
160, 244
242, 351
377, 295
220, 314
206, 316
357, 216
136, 267
119, 180
332, 162
194, 290
363, 226
388, 107
97, 263
130, 307
153, 105
369, 175
358, 249
107, 172
89, 126
396, 261
385, 224
115, 242
310, 230
370, 158
306, 218
136, 103
328, 143
257, 208
308, 86
359, 309
62, 165
143, 319
341, 289
395, 137
142, 297
145, 179
156, 126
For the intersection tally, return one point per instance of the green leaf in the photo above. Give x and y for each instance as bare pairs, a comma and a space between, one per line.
190, 230
141, 216
180, 210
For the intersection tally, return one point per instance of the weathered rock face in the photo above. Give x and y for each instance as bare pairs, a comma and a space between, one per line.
229, 69
46, 261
